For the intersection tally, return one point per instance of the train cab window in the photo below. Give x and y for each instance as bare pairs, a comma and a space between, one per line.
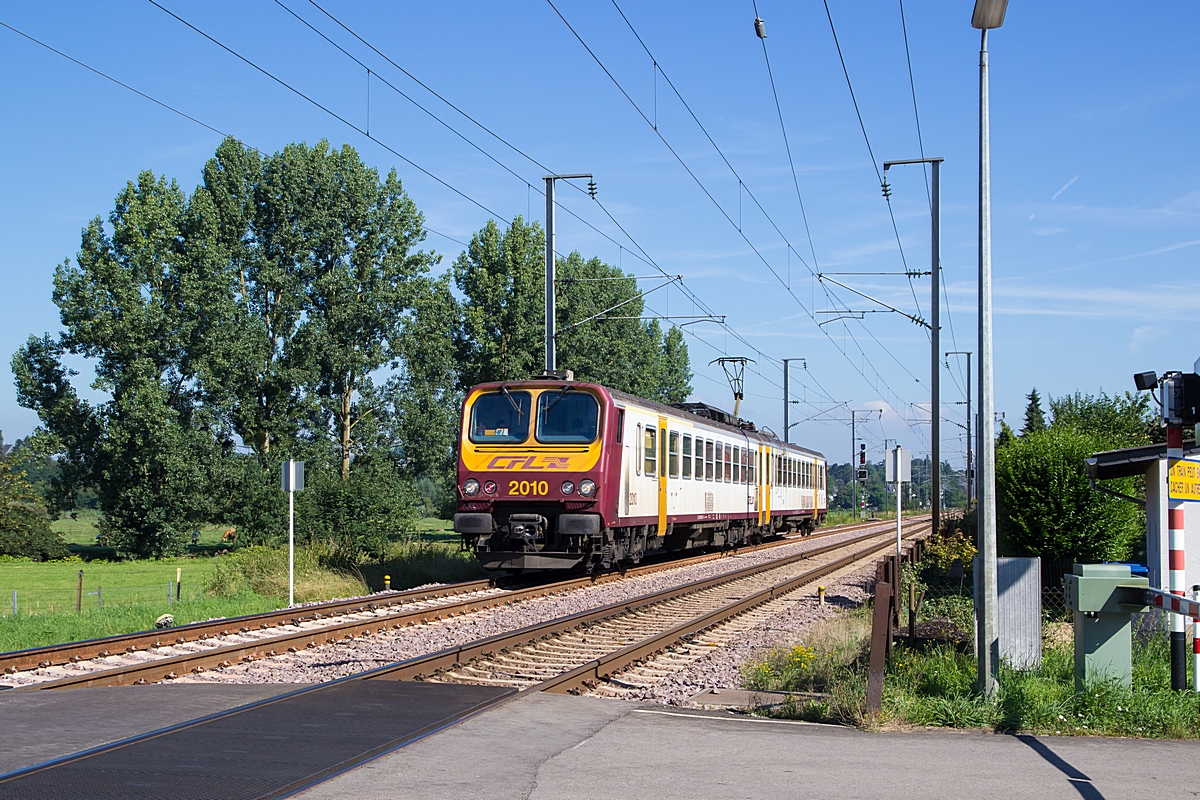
637, 462
567, 417
674, 458
500, 417
728, 465
708, 459
737, 465
687, 456
620, 425
651, 452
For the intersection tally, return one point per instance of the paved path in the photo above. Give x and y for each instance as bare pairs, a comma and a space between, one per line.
549, 746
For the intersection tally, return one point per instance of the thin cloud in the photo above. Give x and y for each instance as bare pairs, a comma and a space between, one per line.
1066, 186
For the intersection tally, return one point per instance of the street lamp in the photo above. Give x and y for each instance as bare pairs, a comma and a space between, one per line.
988, 14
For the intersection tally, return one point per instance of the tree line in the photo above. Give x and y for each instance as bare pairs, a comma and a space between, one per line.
287, 309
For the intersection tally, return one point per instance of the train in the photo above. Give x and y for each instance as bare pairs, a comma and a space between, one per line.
559, 474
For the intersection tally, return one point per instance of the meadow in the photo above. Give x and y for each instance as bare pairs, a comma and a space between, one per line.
214, 581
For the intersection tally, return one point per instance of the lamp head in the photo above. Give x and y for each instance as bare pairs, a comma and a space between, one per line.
1144, 381
989, 14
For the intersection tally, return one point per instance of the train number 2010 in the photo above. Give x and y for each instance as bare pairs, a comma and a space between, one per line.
526, 488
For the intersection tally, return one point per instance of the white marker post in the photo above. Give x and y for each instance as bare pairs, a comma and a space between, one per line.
292, 482
898, 470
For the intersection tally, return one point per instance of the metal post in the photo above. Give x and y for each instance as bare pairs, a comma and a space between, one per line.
291, 548
787, 400
988, 642
78, 594
550, 332
551, 356
1177, 579
853, 466
935, 332
969, 482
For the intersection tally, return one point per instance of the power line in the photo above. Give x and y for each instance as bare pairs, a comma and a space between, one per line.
710, 196
644, 256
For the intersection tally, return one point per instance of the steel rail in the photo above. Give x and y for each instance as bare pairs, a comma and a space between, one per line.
420, 666
173, 666
70, 652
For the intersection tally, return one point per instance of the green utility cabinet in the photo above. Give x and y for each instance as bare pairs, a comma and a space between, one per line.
1104, 598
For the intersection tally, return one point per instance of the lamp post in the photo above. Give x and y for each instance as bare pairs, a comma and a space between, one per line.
988, 14
967, 353
551, 355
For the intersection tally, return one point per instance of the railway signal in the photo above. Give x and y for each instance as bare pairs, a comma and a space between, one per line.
291, 482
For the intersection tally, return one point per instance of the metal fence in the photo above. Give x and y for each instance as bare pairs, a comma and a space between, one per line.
93, 596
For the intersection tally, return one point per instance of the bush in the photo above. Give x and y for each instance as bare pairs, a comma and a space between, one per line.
1047, 508
25, 533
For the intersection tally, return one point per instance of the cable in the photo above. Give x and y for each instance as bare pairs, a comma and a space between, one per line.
708, 194
644, 256
786, 145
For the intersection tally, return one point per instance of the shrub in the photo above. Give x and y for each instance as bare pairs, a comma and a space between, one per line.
25, 533
1047, 508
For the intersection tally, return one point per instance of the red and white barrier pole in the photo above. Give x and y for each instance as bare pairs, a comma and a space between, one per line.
1177, 580
1196, 644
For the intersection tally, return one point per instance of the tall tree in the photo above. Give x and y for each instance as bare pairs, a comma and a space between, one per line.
503, 284
601, 333
1035, 418
140, 303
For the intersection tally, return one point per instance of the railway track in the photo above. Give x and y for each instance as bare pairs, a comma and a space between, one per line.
166, 654
580, 652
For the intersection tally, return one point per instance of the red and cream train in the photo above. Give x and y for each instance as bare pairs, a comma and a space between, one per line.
554, 474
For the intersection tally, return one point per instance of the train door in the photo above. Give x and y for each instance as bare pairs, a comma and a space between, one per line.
767, 480
662, 476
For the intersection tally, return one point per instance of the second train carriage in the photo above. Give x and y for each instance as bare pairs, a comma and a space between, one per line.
555, 473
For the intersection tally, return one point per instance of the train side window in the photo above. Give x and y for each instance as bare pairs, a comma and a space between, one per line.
795, 473
620, 425
728, 466
791, 472
687, 456
674, 460
737, 464
651, 452
637, 462
720, 469
753, 468
708, 459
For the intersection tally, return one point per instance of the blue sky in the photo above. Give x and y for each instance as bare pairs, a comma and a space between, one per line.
1096, 210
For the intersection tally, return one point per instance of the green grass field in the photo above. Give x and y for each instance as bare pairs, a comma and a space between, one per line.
125, 596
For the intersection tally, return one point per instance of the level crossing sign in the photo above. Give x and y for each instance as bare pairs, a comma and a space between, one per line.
1183, 480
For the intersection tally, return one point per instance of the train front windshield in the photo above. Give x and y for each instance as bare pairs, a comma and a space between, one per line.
500, 417
567, 417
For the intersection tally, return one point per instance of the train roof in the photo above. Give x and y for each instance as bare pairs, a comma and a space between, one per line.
691, 409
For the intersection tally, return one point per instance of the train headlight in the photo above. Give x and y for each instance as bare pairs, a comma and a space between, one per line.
489, 487
587, 488
568, 487
471, 487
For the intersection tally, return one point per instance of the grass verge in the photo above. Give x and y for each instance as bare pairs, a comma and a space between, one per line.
936, 687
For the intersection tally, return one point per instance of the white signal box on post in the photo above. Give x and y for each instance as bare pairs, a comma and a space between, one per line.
899, 462
898, 469
292, 482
